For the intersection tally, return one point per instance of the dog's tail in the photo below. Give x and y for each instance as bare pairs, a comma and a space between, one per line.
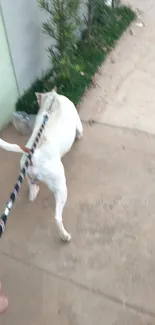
13, 147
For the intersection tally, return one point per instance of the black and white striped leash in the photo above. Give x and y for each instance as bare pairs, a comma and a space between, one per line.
13, 195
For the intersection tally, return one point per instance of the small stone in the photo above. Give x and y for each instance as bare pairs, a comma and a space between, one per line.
140, 24
113, 60
91, 122
105, 49
94, 82
100, 71
139, 12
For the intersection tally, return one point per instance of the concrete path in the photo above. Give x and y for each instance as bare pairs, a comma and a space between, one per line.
106, 274
125, 96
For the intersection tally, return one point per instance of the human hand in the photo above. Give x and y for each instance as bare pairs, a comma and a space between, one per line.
3, 302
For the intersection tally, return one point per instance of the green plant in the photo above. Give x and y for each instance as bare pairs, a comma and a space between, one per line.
61, 27
96, 9
115, 3
108, 26
91, 12
89, 19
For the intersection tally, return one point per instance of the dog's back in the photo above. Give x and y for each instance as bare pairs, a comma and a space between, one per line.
60, 130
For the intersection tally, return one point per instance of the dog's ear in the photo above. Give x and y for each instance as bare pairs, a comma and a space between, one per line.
38, 95
55, 89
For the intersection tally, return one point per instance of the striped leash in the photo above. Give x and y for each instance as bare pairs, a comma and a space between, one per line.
13, 195
21, 177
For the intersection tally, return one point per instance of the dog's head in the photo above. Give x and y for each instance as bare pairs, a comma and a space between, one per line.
44, 99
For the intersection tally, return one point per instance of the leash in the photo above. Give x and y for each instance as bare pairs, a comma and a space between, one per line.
13, 195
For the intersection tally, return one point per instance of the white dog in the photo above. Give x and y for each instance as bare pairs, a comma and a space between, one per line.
61, 129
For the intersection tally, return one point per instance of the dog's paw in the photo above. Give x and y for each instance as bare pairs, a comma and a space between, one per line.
79, 135
79, 132
66, 237
33, 192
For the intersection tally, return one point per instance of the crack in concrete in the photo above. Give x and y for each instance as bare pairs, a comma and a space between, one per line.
113, 299
93, 122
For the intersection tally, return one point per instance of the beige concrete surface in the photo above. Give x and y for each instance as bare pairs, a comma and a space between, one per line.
125, 96
106, 274
43, 299
110, 213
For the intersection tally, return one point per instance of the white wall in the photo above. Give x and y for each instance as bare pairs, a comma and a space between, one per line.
23, 22
8, 88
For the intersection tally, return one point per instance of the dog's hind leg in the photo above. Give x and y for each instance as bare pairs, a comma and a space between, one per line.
31, 179
33, 188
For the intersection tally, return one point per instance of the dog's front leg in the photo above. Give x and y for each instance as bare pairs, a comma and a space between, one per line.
60, 200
